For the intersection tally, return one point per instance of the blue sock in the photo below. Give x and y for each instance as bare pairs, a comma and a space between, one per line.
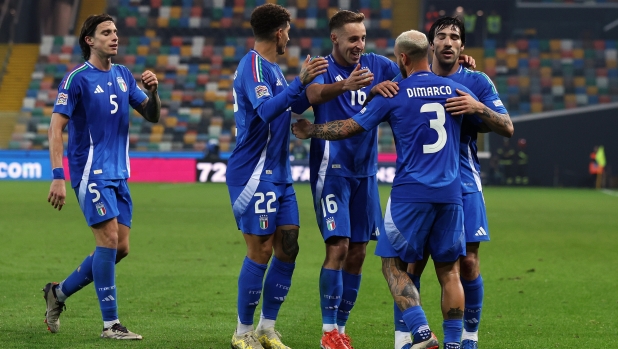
249, 289
104, 275
417, 324
276, 287
452, 333
351, 284
400, 325
473, 291
331, 289
80, 278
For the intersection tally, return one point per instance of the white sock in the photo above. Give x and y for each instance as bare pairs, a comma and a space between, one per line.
328, 327
109, 324
470, 335
341, 329
59, 295
402, 338
265, 323
242, 328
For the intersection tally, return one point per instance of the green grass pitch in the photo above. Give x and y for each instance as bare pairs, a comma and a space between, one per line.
550, 271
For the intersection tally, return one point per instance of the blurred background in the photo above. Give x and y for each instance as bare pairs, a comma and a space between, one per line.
554, 63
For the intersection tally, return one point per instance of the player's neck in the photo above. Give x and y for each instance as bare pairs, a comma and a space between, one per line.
266, 49
339, 59
441, 69
417, 67
101, 63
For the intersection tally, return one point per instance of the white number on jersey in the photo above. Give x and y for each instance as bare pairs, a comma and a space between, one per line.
111, 100
436, 124
331, 205
358, 97
235, 100
261, 199
94, 191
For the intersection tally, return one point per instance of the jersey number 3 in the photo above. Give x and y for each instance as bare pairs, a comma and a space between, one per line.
437, 125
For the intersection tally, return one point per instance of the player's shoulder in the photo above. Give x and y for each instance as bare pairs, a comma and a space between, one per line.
478, 77
74, 76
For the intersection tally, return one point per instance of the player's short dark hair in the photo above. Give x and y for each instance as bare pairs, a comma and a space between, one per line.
88, 29
445, 22
344, 17
268, 18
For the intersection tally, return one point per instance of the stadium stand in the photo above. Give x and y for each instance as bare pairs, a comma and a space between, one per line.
193, 46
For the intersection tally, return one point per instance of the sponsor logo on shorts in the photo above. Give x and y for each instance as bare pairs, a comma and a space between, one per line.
62, 99
101, 209
263, 222
330, 224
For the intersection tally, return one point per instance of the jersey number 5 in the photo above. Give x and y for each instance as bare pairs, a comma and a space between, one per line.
437, 125
112, 102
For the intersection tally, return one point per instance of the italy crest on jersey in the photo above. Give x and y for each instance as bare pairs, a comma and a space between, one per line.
330, 224
263, 222
101, 209
122, 84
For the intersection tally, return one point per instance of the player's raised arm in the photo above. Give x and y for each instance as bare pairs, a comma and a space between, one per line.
150, 108
466, 104
57, 190
331, 131
318, 93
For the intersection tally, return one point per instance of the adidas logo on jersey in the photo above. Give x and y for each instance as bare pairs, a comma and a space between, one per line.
338, 78
480, 232
98, 89
279, 82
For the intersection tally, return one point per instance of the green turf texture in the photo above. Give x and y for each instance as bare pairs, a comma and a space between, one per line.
550, 272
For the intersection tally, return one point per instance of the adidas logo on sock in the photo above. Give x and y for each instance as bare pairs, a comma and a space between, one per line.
480, 232
98, 89
108, 299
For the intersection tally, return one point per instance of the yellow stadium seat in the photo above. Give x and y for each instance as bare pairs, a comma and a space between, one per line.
546, 72
490, 62
162, 61
170, 121
386, 3
524, 81
225, 84
150, 33
386, 23
555, 45
142, 50
580, 81
157, 128
592, 90
557, 81
155, 137
511, 62
302, 4
570, 98
185, 51
536, 107
175, 12
163, 22
578, 53
229, 51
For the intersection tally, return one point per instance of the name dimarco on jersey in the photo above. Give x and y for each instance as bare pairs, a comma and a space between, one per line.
429, 91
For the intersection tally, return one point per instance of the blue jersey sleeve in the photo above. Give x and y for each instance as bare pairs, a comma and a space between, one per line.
488, 94
373, 114
318, 80
301, 104
136, 95
389, 68
69, 94
258, 90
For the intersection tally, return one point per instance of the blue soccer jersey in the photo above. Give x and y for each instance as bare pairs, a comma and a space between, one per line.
426, 138
356, 156
484, 89
262, 100
97, 104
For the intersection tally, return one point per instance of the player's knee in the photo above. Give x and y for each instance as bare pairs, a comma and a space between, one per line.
121, 253
469, 267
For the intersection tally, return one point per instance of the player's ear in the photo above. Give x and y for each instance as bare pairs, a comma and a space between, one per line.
333, 37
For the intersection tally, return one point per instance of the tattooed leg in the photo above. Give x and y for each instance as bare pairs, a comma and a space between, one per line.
401, 286
286, 243
452, 291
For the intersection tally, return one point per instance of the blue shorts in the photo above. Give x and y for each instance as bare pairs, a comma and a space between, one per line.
347, 207
261, 207
101, 200
475, 217
410, 228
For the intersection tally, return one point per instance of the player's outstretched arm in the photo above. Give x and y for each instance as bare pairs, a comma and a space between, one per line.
150, 108
57, 189
322, 93
330, 131
312, 68
466, 104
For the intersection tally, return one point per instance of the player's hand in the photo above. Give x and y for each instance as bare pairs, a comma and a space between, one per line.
57, 194
387, 89
465, 104
358, 79
312, 68
467, 61
150, 82
302, 128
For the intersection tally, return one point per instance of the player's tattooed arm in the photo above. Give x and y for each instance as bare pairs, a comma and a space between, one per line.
496, 122
330, 131
401, 286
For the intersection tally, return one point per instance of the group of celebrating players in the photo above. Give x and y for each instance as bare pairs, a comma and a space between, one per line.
435, 112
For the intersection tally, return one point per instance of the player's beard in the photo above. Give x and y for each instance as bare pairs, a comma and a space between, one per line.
280, 49
402, 69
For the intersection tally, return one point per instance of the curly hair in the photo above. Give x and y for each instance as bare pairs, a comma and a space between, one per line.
344, 17
88, 29
446, 22
267, 18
